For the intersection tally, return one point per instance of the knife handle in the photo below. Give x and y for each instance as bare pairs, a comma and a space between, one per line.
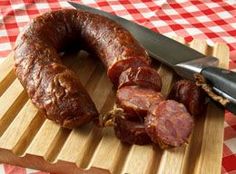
223, 82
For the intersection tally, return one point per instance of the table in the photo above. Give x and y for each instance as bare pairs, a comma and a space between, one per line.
214, 21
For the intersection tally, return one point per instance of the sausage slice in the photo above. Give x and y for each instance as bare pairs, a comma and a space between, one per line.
136, 100
169, 124
142, 76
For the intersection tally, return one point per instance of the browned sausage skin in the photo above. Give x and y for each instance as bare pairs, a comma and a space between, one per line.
52, 87
142, 76
192, 96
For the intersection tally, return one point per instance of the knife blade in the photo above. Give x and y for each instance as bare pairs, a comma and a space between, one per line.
184, 60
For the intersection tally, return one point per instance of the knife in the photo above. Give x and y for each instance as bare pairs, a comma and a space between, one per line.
184, 60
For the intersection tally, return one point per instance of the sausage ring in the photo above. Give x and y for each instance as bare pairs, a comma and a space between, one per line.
51, 86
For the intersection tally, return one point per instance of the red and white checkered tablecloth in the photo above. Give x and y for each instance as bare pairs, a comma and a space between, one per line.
213, 20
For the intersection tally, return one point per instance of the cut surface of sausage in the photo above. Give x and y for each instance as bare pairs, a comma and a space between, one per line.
169, 124
192, 96
136, 100
131, 132
51, 86
142, 76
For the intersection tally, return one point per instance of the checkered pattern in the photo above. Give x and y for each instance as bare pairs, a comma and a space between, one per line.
214, 21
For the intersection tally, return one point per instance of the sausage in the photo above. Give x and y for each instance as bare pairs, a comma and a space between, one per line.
113, 44
168, 124
131, 132
51, 86
142, 76
192, 96
137, 100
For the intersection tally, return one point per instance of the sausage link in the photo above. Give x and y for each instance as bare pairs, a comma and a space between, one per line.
52, 87
192, 96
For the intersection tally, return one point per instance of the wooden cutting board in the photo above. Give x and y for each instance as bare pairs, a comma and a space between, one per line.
28, 140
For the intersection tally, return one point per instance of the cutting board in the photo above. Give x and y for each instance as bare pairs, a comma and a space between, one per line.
29, 140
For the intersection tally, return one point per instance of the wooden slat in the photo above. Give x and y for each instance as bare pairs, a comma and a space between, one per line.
10, 96
140, 160
110, 147
221, 51
211, 150
6, 73
103, 88
78, 137
6, 68
43, 139
83, 65
10, 137
21, 129
167, 78
10, 104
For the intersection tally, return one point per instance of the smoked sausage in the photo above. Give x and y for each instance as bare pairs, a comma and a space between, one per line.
51, 86
192, 96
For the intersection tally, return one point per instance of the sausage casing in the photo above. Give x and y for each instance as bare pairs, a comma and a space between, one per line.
51, 86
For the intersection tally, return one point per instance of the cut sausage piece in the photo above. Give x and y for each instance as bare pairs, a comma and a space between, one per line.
115, 70
141, 76
169, 124
192, 96
136, 100
131, 132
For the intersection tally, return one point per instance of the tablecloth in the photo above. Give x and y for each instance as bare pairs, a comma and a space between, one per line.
212, 20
